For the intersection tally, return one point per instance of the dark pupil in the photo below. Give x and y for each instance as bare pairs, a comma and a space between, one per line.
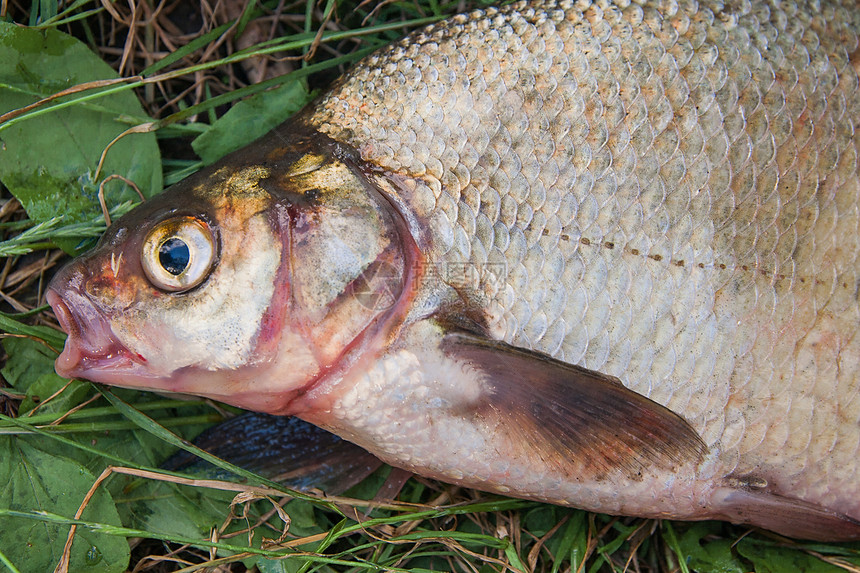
173, 254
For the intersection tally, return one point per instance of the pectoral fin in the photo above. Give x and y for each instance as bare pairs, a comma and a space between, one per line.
283, 449
574, 417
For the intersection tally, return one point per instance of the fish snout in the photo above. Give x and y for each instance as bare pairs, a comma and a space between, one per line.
70, 357
91, 344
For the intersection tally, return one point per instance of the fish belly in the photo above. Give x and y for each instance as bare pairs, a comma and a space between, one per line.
669, 195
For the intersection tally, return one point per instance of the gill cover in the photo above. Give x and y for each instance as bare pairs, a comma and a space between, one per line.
245, 282
351, 253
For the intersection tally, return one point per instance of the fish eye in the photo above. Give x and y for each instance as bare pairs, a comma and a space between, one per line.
178, 254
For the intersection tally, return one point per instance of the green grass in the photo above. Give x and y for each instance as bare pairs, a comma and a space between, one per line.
63, 444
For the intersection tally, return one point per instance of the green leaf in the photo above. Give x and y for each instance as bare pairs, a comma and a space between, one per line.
292, 564
278, 565
27, 361
769, 557
48, 162
714, 556
157, 506
49, 384
170, 509
30, 369
34, 479
250, 119
540, 520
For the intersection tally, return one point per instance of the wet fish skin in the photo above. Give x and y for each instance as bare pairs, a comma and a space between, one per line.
666, 195
672, 191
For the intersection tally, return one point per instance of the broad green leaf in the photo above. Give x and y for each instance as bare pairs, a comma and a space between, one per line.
30, 369
289, 565
768, 557
250, 119
170, 509
541, 519
36, 480
27, 361
46, 386
150, 504
279, 565
303, 518
48, 161
713, 556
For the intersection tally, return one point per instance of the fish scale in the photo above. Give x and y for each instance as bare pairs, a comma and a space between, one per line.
679, 167
602, 254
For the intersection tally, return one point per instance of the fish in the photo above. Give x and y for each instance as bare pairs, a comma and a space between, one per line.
602, 254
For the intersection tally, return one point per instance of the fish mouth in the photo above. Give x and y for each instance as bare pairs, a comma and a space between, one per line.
92, 350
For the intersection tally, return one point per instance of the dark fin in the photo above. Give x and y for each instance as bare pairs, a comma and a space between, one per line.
576, 418
283, 449
784, 515
393, 484
387, 493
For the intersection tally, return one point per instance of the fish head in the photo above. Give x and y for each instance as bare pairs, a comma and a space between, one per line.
244, 283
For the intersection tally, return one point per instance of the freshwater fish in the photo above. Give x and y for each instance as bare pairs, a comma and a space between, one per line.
600, 254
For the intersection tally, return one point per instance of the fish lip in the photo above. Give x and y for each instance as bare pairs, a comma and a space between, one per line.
92, 352
63, 313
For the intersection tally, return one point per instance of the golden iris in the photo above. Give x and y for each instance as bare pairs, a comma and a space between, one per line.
178, 254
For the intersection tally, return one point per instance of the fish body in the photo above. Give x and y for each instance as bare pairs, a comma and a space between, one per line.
597, 254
